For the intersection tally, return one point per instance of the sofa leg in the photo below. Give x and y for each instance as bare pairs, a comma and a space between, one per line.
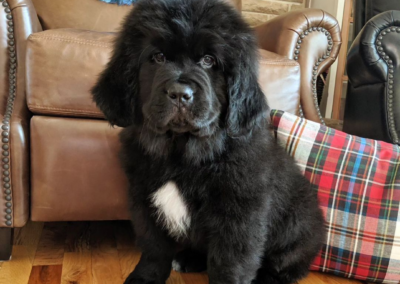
6, 236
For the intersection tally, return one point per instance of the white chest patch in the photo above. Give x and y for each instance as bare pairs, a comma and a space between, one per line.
171, 209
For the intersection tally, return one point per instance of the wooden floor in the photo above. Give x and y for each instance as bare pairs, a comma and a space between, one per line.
88, 253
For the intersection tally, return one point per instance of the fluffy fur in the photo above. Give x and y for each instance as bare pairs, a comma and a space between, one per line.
182, 82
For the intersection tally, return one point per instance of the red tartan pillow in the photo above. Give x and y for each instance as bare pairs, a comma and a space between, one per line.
358, 184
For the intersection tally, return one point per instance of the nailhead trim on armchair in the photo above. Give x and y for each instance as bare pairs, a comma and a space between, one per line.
5, 124
389, 62
315, 73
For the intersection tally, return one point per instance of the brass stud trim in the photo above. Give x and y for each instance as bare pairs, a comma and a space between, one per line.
296, 57
5, 128
389, 84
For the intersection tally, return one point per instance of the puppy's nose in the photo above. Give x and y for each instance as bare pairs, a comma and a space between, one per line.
181, 93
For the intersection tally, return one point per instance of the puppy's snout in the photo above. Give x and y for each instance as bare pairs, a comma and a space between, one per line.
180, 93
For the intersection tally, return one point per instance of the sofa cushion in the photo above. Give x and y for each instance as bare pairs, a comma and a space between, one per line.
358, 184
63, 65
75, 170
85, 14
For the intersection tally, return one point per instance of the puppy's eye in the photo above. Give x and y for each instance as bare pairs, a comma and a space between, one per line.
159, 58
207, 61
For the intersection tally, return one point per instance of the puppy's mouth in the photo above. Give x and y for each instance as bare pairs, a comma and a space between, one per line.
177, 125
174, 126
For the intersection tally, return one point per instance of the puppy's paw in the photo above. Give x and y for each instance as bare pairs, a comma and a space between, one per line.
189, 261
135, 279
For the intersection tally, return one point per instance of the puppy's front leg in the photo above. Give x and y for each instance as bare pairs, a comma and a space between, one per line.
234, 253
157, 249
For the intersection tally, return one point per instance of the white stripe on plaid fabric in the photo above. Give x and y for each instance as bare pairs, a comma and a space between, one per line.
356, 248
394, 264
334, 201
343, 175
300, 145
384, 232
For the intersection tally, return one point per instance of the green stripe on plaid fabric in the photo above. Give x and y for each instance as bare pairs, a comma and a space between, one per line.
358, 184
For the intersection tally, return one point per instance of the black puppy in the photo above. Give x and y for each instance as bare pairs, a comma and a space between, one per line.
205, 173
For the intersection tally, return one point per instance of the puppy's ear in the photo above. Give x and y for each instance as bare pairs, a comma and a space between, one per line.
116, 90
247, 106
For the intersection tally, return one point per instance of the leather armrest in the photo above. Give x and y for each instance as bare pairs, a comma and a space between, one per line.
373, 66
311, 37
18, 17
366, 61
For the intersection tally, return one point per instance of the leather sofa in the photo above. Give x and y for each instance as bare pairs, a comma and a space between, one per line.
59, 156
373, 66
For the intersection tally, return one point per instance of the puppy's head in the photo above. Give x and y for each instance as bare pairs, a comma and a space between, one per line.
183, 66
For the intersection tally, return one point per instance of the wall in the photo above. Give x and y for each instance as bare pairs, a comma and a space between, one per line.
259, 11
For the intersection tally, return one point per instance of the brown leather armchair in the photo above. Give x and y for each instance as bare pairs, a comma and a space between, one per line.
59, 157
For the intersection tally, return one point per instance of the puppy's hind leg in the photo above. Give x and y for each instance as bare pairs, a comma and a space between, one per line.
289, 275
288, 266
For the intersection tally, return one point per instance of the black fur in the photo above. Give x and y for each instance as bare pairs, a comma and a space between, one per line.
254, 217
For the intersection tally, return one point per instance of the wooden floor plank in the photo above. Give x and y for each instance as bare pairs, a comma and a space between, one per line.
194, 278
77, 263
106, 268
322, 278
26, 240
128, 259
46, 274
93, 253
176, 278
50, 250
312, 278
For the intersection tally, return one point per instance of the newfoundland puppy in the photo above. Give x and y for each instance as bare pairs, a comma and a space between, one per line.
209, 187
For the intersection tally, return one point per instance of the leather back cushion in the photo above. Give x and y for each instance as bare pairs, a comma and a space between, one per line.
375, 7
64, 64
85, 14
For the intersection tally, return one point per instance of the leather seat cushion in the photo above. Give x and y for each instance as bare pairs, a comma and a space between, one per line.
64, 64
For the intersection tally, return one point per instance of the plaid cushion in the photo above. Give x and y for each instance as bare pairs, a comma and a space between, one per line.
358, 184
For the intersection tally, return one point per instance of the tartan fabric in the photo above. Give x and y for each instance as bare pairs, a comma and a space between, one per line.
358, 184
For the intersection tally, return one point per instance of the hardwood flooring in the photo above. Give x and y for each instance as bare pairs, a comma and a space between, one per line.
89, 253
